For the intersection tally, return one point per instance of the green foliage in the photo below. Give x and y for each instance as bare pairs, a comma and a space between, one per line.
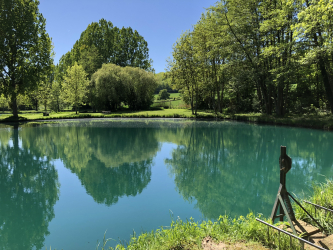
75, 85
25, 48
163, 83
3, 102
115, 85
104, 43
90, 60
245, 56
163, 94
44, 92
56, 101
323, 196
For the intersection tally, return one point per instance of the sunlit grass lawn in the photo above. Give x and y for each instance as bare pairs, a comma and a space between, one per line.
175, 101
171, 113
172, 95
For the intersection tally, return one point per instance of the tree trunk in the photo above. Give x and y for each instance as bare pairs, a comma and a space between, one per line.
192, 107
13, 105
265, 95
328, 88
196, 102
324, 73
279, 101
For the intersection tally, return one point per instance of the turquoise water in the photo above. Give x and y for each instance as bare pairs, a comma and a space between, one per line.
63, 185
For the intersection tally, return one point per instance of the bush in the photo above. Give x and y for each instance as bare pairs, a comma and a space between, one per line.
163, 95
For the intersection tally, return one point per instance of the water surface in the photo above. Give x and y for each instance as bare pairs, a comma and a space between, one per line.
66, 184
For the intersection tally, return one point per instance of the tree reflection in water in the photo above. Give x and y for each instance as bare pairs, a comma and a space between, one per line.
229, 170
222, 167
29, 189
111, 161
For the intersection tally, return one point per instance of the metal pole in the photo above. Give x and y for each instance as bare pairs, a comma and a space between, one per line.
299, 204
290, 234
318, 206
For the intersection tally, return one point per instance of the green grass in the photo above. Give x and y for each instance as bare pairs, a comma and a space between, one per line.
174, 95
180, 110
175, 101
166, 113
323, 196
189, 234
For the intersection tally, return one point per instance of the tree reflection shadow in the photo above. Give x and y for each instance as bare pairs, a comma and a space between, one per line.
229, 170
29, 189
111, 161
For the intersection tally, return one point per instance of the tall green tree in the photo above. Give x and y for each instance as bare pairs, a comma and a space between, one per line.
56, 101
44, 93
102, 43
25, 48
249, 55
184, 70
90, 59
315, 31
75, 85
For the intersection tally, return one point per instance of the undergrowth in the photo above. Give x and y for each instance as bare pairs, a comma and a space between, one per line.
323, 196
189, 234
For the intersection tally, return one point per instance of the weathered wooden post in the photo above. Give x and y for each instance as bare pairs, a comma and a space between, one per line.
282, 200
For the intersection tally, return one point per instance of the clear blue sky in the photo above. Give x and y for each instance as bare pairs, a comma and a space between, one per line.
160, 22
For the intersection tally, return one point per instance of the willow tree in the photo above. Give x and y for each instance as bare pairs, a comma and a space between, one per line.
131, 86
25, 48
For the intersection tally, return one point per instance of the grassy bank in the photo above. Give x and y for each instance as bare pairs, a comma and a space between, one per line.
316, 121
189, 234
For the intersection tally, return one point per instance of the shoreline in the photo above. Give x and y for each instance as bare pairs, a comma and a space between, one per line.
321, 122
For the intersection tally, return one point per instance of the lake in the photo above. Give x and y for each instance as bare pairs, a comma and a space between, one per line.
66, 184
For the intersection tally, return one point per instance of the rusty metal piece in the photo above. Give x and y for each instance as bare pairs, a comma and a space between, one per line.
282, 201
